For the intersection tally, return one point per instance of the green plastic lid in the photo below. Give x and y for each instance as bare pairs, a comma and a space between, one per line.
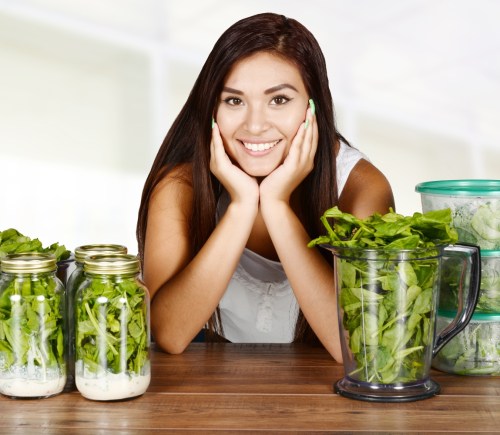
473, 187
490, 253
478, 317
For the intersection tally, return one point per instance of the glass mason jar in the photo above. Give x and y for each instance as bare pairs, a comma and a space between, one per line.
75, 279
32, 325
112, 329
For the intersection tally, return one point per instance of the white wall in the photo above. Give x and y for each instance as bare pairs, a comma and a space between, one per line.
89, 89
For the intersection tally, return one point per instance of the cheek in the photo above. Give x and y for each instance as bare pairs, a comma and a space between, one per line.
226, 124
291, 124
224, 129
226, 134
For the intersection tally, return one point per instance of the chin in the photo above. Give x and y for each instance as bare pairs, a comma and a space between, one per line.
259, 172
259, 169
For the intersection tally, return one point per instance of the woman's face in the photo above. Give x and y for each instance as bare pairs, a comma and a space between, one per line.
263, 103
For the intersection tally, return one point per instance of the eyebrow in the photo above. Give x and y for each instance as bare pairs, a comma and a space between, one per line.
279, 88
267, 91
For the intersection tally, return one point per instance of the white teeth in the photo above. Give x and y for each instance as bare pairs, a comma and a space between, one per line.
259, 146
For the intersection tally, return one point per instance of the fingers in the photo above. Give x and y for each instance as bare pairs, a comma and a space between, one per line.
313, 130
217, 152
305, 143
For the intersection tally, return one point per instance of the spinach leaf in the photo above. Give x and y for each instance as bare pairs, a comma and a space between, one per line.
112, 326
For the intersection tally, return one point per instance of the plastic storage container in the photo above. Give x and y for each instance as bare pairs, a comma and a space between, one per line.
474, 204
32, 354
475, 351
489, 293
73, 282
112, 329
475, 208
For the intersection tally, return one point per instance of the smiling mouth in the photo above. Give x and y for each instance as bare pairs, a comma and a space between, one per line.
260, 146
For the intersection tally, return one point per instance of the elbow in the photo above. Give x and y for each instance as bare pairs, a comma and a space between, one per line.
174, 348
170, 343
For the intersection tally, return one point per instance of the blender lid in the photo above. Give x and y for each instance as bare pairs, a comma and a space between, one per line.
466, 187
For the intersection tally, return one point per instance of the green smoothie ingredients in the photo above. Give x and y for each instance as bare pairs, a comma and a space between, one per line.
480, 226
388, 267
389, 231
31, 324
475, 351
13, 242
110, 310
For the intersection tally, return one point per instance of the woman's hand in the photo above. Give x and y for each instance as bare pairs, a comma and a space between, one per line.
299, 162
240, 186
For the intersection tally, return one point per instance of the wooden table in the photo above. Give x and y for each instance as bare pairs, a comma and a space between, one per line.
268, 388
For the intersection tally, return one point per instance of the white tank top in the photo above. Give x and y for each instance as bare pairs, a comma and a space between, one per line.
259, 305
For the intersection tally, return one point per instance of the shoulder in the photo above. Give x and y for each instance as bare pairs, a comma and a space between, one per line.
175, 188
366, 191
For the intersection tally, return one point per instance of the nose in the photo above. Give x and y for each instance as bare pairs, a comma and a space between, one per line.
256, 119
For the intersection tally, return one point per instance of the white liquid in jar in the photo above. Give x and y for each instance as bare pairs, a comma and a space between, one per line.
20, 387
110, 386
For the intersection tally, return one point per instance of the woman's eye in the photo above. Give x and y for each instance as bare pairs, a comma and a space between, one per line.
279, 100
233, 101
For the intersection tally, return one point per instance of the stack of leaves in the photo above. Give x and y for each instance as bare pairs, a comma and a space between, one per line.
31, 327
112, 332
13, 242
387, 298
389, 231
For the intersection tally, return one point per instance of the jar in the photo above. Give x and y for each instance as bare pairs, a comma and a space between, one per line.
475, 351
489, 293
489, 298
112, 329
474, 205
32, 325
74, 280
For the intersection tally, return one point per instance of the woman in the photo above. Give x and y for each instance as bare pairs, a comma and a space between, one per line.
237, 189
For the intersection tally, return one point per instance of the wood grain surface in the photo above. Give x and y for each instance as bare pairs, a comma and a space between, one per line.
230, 388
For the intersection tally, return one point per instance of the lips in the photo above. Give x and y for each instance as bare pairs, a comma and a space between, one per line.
260, 146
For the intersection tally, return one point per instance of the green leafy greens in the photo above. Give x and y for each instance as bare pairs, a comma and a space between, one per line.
386, 289
31, 325
13, 242
475, 351
479, 225
112, 326
389, 231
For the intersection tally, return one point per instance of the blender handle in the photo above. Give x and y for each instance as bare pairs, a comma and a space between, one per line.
462, 318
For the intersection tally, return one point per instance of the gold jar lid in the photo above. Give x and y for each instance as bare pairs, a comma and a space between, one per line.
29, 262
112, 264
97, 249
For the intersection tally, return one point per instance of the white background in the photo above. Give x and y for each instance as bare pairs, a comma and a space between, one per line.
88, 89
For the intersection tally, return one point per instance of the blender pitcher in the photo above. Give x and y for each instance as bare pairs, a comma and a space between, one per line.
387, 304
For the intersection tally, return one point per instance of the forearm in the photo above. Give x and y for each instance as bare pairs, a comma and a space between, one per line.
182, 306
310, 276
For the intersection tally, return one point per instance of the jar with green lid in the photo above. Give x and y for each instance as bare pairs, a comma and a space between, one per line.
112, 329
75, 279
32, 325
474, 205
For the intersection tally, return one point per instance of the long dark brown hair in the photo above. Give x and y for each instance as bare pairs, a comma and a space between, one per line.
188, 140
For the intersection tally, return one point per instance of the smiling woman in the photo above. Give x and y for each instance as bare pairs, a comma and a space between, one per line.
227, 212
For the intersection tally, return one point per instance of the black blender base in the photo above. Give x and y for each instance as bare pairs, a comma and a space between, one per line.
386, 393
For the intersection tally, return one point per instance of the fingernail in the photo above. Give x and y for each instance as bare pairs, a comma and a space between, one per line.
213, 122
306, 124
312, 106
